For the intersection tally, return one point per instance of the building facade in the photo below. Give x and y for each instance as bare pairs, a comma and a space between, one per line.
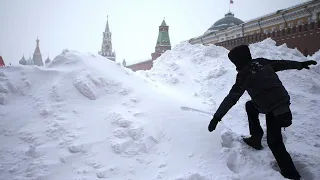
106, 47
36, 58
163, 44
297, 26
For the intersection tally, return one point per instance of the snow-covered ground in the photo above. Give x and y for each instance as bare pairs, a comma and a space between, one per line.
84, 117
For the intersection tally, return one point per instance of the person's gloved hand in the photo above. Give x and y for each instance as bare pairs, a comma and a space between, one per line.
306, 64
213, 123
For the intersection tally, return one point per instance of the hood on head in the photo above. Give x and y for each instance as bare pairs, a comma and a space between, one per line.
240, 56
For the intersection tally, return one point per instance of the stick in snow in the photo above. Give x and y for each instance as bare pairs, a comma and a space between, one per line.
185, 108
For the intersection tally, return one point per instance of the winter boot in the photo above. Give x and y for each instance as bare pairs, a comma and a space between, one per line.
253, 142
296, 177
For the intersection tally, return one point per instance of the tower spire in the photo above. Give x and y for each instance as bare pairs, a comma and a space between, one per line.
106, 48
37, 57
23, 61
107, 25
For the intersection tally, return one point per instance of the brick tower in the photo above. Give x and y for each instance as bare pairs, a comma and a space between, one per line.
106, 47
163, 42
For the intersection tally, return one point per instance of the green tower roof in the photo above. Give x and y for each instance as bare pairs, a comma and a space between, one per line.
163, 23
163, 37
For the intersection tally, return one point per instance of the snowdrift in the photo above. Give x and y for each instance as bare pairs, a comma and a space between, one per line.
206, 73
85, 117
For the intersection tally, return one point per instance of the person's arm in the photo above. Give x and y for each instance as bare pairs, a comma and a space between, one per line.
231, 99
280, 65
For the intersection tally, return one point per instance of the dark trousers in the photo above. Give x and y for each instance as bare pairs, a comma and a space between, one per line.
274, 138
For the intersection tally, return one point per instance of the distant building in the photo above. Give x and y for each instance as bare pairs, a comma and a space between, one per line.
124, 63
106, 47
163, 44
47, 61
1, 61
23, 61
297, 26
36, 58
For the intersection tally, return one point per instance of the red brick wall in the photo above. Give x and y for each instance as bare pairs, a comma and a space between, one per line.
146, 65
1, 61
155, 56
305, 37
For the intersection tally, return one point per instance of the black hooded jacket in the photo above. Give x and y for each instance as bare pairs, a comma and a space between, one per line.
258, 78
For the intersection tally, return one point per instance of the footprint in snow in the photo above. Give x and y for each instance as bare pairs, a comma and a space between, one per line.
44, 112
133, 147
11, 87
120, 133
229, 138
136, 133
75, 148
107, 172
235, 162
102, 174
118, 120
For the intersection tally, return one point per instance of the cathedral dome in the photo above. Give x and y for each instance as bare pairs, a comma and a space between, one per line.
226, 22
23, 61
48, 61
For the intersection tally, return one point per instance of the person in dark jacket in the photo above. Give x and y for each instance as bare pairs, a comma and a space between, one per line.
268, 96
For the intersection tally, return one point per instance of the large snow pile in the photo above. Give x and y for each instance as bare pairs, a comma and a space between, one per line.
85, 117
206, 73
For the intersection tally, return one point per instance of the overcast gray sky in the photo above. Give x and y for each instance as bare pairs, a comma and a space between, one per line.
79, 24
